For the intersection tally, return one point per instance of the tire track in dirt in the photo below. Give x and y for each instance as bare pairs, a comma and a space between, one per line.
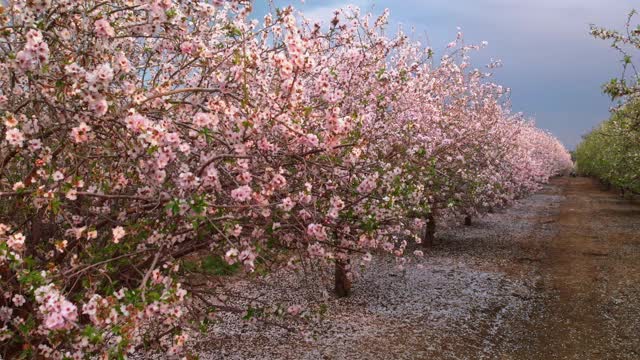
590, 278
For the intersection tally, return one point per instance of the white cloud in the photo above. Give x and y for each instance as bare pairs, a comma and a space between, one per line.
324, 13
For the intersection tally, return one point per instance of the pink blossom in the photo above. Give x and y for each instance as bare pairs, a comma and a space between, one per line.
11, 121
34, 36
58, 176
203, 120
317, 232
99, 106
80, 133
72, 194
287, 204
5, 314
278, 182
304, 214
35, 145
74, 69
368, 185
18, 300
118, 233
172, 138
337, 202
24, 60
102, 75
311, 140
187, 47
58, 312
16, 241
237, 230
159, 176
336, 205
316, 250
211, 175
137, 122
245, 177
248, 258
4, 229
14, 137
294, 310
103, 29
123, 63
241, 194
188, 180
231, 256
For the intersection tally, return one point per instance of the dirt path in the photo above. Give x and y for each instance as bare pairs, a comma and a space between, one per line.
591, 278
556, 276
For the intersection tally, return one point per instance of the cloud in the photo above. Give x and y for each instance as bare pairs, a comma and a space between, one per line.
324, 13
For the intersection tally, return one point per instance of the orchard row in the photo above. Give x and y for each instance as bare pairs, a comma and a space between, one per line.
611, 152
137, 135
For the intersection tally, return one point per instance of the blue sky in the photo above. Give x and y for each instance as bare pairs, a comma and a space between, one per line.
554, 68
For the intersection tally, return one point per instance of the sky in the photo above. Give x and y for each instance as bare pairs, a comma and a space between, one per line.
554, 68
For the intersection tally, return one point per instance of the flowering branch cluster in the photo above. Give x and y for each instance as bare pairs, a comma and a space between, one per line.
136, 134
626, 42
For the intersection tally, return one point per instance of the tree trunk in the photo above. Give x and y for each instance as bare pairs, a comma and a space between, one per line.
467, 220
430, 231
40, 232
342, 276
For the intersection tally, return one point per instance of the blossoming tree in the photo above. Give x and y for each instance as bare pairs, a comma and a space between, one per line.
137, 134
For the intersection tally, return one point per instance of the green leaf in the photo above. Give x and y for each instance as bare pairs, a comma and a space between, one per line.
55, 205
152, 149
173, 206
171, 13
216, 265
251, 312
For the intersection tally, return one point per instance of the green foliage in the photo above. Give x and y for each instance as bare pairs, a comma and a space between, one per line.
212, 265
611, 152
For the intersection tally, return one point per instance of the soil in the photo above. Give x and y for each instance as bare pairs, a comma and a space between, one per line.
556, 276
591, 278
